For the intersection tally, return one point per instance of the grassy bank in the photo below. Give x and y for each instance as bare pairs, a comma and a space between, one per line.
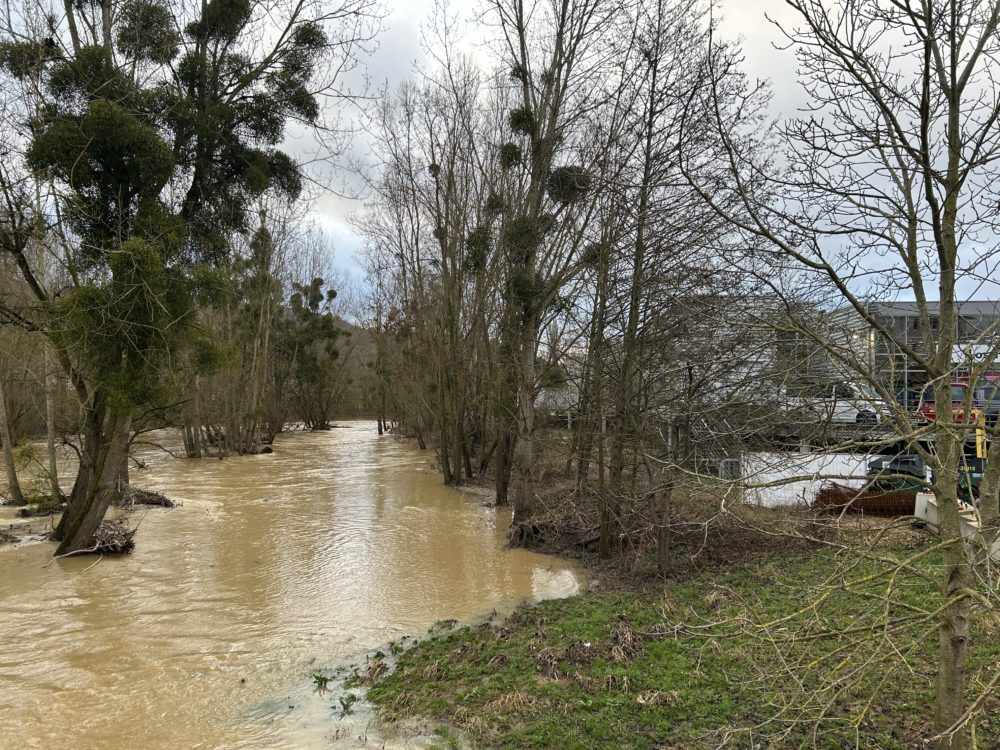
821, 647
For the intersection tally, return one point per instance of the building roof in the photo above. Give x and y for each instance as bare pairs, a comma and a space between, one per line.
969, 309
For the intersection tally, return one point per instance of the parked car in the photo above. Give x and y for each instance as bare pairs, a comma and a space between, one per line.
840, 403
927, 406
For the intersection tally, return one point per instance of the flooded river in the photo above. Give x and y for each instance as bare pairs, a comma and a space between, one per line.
276, 566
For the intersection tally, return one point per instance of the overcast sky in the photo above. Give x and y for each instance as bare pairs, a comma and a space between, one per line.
399, 49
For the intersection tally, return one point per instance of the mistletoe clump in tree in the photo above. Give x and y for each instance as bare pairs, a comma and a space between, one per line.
310, 344
144, 148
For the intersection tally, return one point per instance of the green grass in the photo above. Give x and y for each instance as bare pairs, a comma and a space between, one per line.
688, 664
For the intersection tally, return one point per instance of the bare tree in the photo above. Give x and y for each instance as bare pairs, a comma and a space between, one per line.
884, 190
16, 497
558, 59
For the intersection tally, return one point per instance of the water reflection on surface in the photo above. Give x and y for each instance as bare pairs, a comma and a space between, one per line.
276, 565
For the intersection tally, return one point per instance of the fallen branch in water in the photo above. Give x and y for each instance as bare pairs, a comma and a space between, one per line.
100, 557
74, 553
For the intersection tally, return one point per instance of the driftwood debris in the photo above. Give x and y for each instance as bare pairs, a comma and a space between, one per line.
133, 497
38, 509
113, 538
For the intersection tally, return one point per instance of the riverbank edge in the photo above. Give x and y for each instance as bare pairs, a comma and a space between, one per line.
347, 682
534, 678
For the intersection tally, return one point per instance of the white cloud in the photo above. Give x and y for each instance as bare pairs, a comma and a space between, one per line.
400, 47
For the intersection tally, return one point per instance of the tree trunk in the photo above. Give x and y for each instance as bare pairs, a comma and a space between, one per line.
505, 411
953, 628
105, 444
462, 465
13, 486
661, 519
989, 504
504, 451
590, 396
608, 520
50, 435
953, 638
467, 458
444, 449
524, 448
123, 482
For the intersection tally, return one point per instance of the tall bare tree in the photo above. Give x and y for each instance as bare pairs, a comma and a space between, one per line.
885, 190
558, 58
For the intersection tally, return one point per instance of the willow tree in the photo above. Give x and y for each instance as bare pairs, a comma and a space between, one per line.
143, 132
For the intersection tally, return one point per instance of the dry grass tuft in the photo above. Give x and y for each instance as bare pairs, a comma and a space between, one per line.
376, 670
716, 598
433, 671
463, 652
547, 663
658, 698
616, 683
579, 653
516, 701
468, 721
625, 643
392, 711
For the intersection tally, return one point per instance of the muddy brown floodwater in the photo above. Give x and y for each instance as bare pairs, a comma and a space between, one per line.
276, 566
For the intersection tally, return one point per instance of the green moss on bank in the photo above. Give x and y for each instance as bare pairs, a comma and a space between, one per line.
690, 664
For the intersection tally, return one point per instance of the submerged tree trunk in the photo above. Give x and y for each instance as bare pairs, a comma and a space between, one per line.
13, 486
105, 444
505, 418
444, 449
123, 482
